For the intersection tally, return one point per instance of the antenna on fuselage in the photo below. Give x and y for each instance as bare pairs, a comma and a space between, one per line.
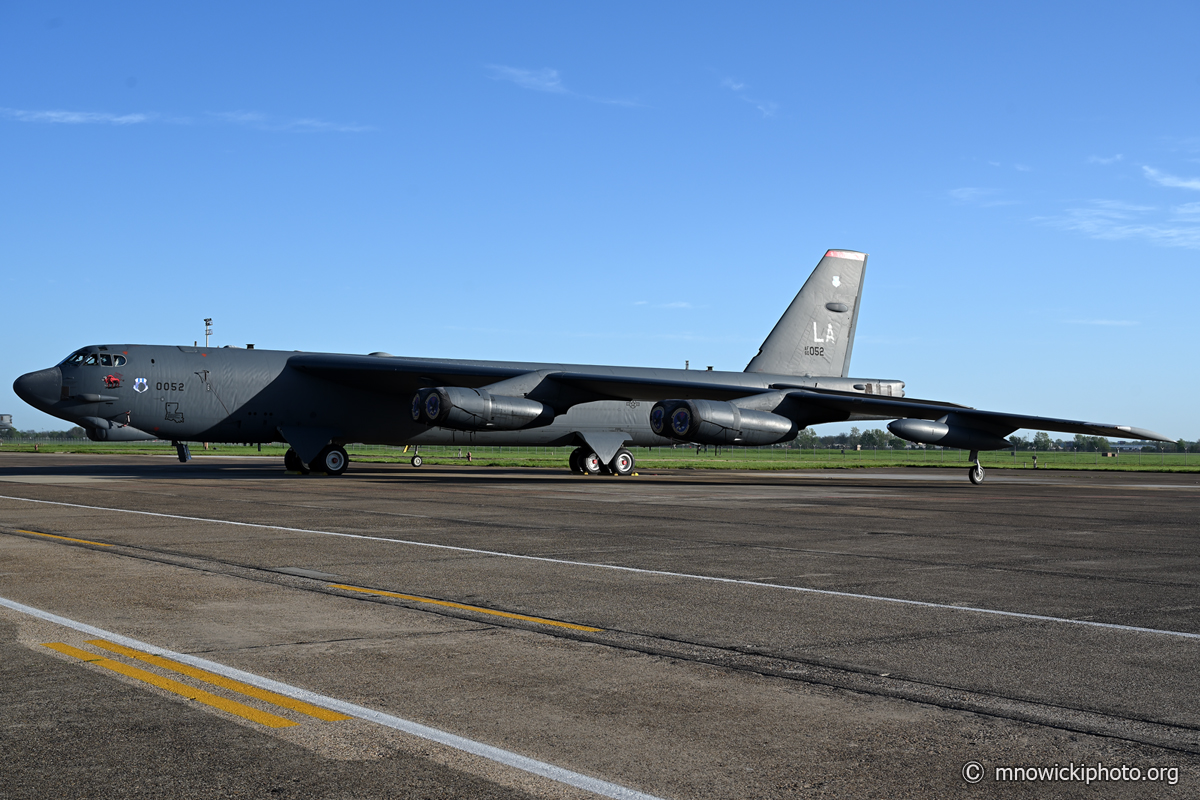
207, 329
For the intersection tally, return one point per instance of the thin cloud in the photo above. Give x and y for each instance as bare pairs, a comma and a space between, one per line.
1022, 168
77, 117
251, 119
539, 80
975, 195
264, 122
767, 108
548, 81
1113, 220
675, 304
1163, 179
1105, 161
1117, 322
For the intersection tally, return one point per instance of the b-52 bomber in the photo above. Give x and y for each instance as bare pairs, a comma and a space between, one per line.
318, 402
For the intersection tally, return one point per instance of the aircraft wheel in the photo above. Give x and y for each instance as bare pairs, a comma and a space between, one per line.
292, 462
622, 463
591, 464
417, 461
575, 460
332, 461
976, 474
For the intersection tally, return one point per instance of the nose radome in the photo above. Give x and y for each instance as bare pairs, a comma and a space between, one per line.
41, 388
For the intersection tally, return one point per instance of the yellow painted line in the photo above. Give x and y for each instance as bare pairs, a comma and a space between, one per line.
478, 609
223, 682
64, 538
182, 689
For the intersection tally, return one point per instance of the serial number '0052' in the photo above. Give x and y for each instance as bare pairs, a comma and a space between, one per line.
169, 387
814, 351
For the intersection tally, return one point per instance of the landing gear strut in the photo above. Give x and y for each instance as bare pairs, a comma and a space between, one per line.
292, 462
181, 450
976, 473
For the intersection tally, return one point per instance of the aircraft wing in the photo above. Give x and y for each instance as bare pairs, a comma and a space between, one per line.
994, 422
393, 375
621, 387
390, 374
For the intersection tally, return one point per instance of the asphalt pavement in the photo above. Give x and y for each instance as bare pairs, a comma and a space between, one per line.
486, 632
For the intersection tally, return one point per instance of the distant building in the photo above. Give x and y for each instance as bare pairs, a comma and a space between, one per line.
5, 421
1124, 445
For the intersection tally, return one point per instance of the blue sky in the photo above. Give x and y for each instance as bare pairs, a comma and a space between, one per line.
619, 183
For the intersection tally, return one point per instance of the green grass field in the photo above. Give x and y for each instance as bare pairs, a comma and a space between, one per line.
770, 458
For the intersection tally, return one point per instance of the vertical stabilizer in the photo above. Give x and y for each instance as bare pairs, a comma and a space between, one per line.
816, 334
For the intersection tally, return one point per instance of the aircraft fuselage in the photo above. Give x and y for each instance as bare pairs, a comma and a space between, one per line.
248, 395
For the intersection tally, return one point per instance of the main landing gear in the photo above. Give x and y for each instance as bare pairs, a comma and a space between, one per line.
332, 460
976, 473
292, 462
584, 461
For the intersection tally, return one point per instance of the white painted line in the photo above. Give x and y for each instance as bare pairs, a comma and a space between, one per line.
506, 757
638, 570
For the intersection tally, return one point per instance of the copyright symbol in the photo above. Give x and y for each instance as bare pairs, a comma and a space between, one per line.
972, 772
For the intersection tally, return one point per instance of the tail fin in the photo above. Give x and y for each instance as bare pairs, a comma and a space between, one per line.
816, 333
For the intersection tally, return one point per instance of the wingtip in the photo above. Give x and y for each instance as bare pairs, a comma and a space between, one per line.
1142, 433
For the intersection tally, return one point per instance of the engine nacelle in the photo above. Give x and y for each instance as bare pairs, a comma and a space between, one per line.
477, 410
946, 435
715, 422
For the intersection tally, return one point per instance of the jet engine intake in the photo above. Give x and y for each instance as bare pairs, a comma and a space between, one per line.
716, 422
464, 409
940, 433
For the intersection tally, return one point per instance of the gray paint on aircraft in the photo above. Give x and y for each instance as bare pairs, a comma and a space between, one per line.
318, 401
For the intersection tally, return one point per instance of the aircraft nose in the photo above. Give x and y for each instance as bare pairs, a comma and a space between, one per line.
41, 388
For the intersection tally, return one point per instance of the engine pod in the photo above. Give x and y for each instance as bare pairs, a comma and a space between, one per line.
715, 422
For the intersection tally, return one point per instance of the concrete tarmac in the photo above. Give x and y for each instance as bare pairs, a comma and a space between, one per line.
863, 633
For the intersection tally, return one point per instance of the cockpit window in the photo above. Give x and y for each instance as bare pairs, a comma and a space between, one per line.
92, 359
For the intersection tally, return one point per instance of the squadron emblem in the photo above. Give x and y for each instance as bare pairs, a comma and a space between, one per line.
139, 385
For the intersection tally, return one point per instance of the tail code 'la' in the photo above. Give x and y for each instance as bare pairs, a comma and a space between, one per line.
815, 336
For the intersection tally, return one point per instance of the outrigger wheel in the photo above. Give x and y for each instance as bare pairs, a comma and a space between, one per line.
976, 473
333, 460
292, 462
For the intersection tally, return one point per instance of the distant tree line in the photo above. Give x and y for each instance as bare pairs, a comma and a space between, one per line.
12, 434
